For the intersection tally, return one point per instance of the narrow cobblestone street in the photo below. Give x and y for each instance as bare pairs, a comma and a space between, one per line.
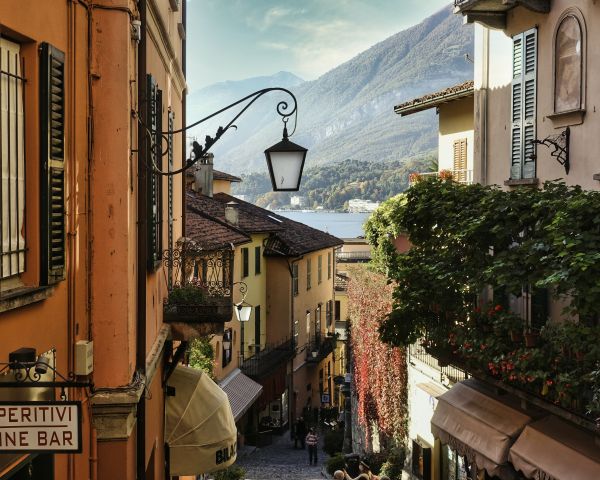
281, 461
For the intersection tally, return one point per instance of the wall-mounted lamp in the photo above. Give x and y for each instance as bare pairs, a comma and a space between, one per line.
243, 311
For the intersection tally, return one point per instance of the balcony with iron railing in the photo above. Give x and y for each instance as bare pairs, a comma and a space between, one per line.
418, 354
460, 176
319, 347
268, 359
360, 256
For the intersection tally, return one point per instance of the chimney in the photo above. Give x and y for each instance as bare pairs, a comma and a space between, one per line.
232, 213
203, 176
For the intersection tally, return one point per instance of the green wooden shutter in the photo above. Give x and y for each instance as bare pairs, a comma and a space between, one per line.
529, 102
52, 167
523, 105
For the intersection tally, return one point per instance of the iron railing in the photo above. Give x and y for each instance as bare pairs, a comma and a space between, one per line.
12, 161
319, 347
460, 176
268, 359
353, 257
453, 373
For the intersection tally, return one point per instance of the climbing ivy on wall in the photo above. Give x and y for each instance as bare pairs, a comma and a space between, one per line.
380, 371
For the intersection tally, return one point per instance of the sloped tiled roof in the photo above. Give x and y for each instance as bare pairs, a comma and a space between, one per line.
210, 233
215, 208
217, 175
293, 238
431, 100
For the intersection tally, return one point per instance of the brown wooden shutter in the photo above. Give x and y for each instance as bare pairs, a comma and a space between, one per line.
154, 152
52, 167
460, 160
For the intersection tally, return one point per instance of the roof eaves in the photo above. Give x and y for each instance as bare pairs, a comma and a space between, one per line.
435, 99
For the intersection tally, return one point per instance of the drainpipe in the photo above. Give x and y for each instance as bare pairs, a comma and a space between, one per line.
142, 254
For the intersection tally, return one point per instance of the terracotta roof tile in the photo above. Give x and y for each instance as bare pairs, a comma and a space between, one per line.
248, 223
210, 233
431, 100
292, 238
217, 175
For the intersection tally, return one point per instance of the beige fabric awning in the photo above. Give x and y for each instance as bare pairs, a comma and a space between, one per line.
242, 392
199, 426
479, 426
552, 449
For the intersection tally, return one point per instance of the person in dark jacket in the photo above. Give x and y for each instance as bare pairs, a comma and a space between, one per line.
299, 433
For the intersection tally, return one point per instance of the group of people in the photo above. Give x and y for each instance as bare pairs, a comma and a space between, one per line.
308, 439
365, 474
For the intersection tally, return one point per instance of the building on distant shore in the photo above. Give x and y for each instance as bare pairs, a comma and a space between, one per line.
357, 205
298, 201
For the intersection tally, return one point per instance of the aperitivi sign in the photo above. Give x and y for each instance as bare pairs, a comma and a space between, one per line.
52, 427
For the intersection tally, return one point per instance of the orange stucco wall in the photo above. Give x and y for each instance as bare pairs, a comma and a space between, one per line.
97, 298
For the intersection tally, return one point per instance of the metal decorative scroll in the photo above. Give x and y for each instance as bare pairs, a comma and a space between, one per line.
31, 375
209, 270
560, 147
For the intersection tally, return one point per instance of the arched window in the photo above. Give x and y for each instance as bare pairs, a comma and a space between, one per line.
569, 58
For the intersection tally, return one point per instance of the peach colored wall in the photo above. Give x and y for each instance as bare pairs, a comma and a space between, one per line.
584, 138
221, 186
116, 460
279, 287
455, 123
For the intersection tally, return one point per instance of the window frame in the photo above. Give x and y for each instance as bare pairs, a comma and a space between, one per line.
308, 273
245, 262
575, 13
295, 288
329, 265
257, 259
319, 269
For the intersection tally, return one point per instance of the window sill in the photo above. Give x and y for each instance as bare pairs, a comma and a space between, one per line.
565, 119
21, 297
517, 182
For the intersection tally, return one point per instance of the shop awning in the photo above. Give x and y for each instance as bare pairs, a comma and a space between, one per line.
242, 392
479, 426
553, 449
199, 426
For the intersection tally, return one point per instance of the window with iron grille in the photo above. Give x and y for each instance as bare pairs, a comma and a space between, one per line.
295, 279
154, 158
320, 269
308, 273
245, 261
338, 307
329, 265
12, 149
257, 260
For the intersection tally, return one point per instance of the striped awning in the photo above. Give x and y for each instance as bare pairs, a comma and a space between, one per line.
242, 392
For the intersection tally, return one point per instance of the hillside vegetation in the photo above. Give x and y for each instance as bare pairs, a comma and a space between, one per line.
332, 185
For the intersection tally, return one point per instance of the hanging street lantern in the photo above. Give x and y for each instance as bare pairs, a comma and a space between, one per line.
243, 311
286, 162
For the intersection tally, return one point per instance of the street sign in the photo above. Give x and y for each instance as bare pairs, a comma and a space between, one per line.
325, 398
50, 427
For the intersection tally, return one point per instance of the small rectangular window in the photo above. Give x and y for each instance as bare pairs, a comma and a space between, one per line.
308, 273
320, 269
337, 310
257, 257
459, 173
328, 315
295, 279
245, 261
421, 461
329, 265
227, 347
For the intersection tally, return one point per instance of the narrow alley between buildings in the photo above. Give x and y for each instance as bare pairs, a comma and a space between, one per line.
280, 460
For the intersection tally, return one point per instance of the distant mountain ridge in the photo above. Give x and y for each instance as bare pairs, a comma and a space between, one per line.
348, 112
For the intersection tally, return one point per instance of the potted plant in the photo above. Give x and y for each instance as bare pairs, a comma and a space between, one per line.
531, 337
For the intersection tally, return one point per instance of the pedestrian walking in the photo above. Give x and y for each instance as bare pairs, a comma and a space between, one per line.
299, 433
312, 439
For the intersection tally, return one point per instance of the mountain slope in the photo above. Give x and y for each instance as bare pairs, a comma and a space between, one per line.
348, 112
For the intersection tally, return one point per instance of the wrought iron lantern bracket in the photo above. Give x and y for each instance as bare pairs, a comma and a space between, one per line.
30, 375
560, 147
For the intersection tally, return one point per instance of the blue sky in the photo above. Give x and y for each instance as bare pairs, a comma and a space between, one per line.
237, 39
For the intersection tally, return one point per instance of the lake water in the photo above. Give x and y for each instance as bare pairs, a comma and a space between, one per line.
342, 225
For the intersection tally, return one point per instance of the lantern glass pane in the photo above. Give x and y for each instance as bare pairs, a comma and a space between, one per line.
287, 168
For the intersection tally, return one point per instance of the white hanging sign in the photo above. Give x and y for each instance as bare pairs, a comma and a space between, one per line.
52, 427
